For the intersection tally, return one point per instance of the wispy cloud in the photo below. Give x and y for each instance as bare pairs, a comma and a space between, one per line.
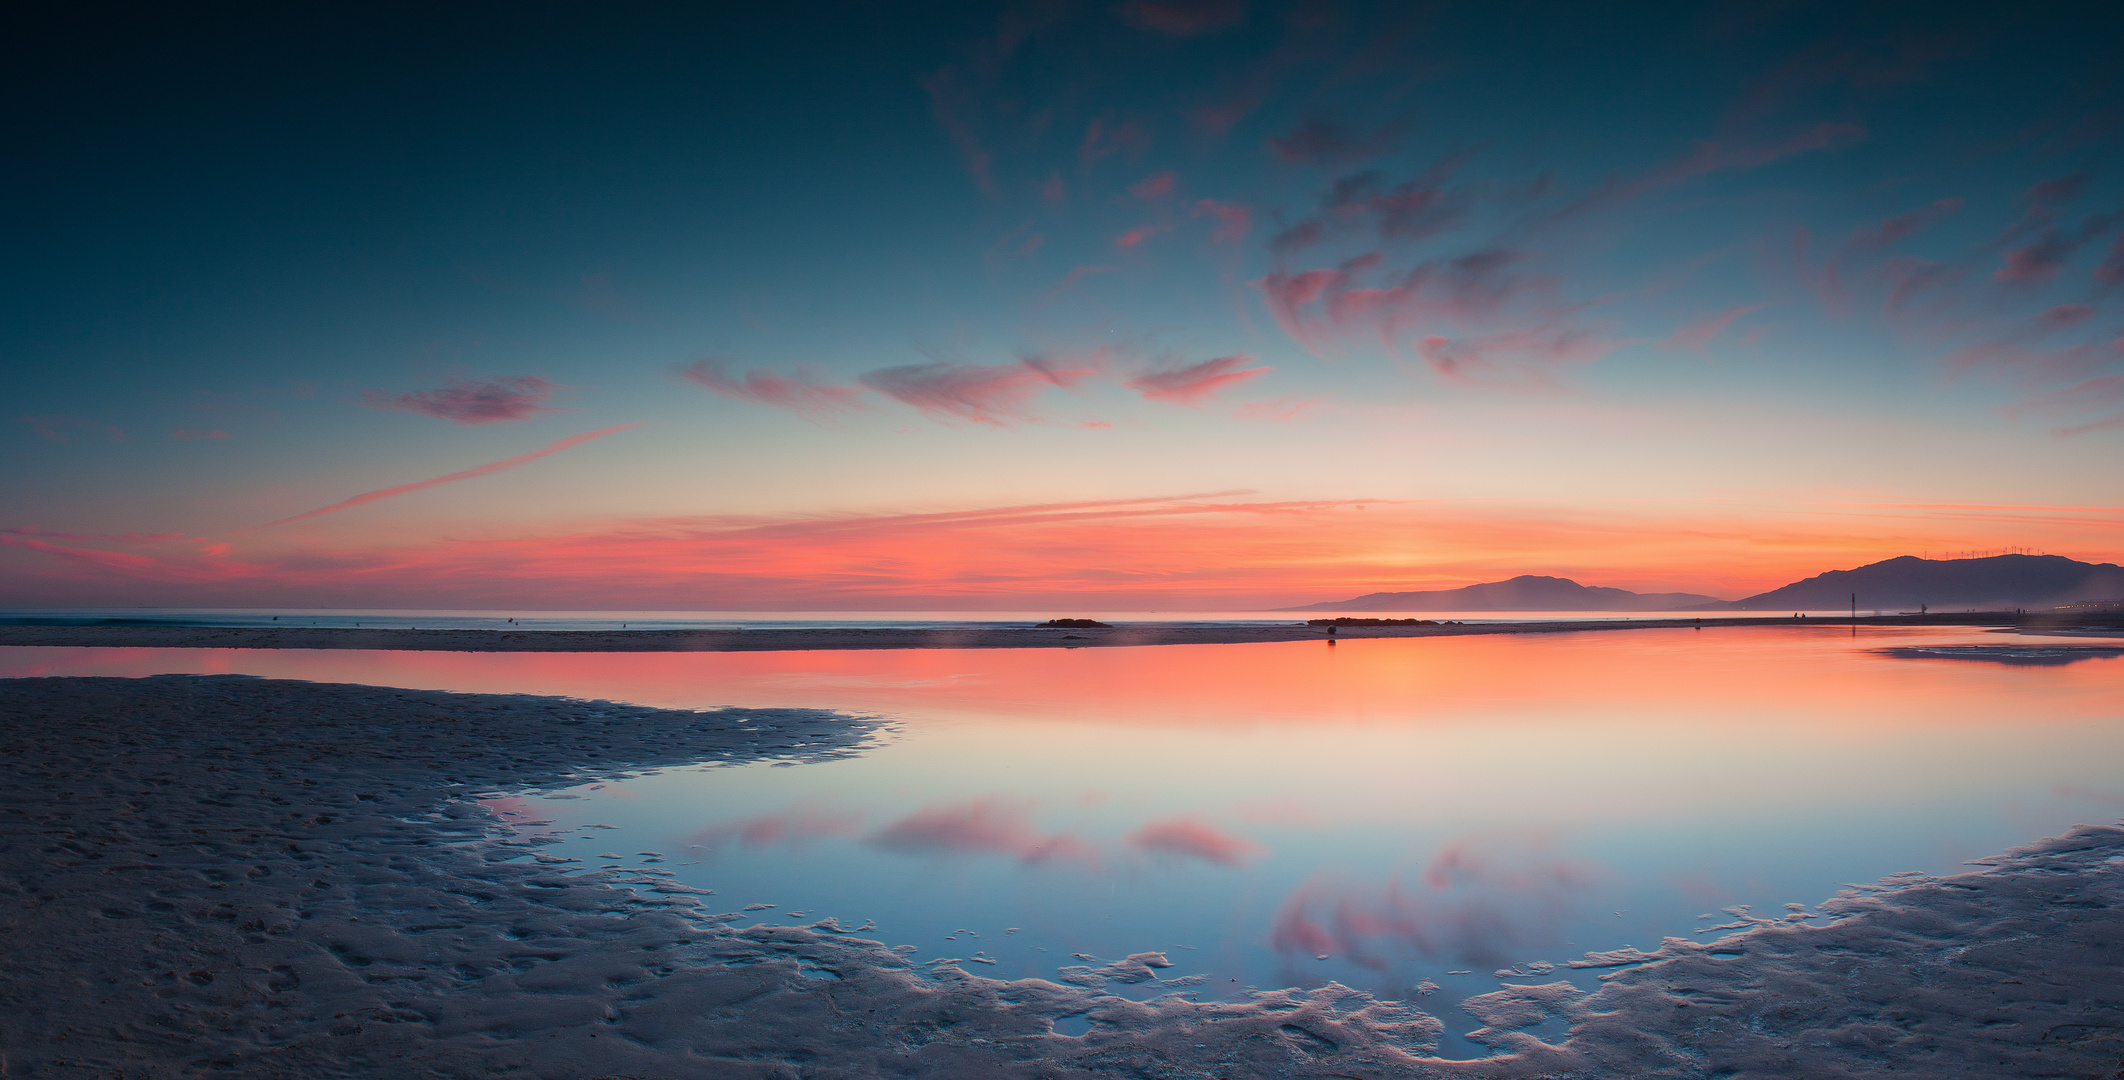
994, 394
2044, 257
1528, 357
1193, 384
1320, 141
806, 391
472, 401
1233, 220
183, 433
94, 538
1154, 187
1184, 18
1139, 234
474, 472
53, 428
1699, 332
1903, 226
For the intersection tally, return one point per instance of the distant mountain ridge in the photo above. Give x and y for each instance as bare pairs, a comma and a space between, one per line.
1998, 582
1527, 592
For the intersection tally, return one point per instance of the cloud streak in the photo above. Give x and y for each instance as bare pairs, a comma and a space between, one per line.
472, 473
805, 392
992, 394
1196, 383
473, 402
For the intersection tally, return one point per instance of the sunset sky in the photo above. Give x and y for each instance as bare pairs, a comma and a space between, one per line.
1198, 304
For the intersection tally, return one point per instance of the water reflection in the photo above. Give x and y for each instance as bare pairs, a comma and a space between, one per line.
1419, 812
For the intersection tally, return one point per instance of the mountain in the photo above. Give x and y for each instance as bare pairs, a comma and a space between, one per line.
1528, 592
2001, 582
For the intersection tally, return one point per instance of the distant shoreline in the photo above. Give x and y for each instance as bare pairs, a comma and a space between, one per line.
989, 637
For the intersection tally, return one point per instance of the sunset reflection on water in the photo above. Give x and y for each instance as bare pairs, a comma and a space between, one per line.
1404, 808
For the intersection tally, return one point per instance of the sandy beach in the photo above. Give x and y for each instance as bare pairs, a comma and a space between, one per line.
971, 637
225, 875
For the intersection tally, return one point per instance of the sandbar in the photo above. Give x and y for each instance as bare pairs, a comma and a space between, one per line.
233, 876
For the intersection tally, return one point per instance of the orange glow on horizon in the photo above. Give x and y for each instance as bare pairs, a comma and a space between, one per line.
1199, 553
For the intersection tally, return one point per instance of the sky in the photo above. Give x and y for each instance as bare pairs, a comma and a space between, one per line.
1149, 305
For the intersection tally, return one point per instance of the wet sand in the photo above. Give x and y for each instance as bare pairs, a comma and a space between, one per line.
775, 640
222, 875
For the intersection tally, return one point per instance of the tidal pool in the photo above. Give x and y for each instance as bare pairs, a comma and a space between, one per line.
1412, 817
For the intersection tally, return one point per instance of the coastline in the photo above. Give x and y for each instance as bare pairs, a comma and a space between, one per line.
263, 878
782, 640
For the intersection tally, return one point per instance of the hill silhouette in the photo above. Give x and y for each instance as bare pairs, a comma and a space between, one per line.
1527, 592
1999, 582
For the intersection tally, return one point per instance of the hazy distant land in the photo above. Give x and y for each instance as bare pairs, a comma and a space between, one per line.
1527, 592
1907, 583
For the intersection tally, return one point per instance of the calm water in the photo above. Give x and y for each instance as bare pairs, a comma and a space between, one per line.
1385, 813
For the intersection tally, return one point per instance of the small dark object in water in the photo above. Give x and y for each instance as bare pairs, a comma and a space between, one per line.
1347, 621
1073, 624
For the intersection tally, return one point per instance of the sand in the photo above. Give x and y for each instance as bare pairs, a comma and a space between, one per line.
230, 876
776, 640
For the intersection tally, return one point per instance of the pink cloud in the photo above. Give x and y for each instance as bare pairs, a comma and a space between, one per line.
1280, 410
2062, 189
1323, 142
2111, 272
1184, 18
94, 538
1698, 333
472, 402
1233, 220
1317, 307
1411, 210
183, 434
53, 428
2065, 315
2104, 394
988, 394
804, 392
1154, 187
488, 469
2042, 259
1196, 383
1192, 838
988, 826
1904, 225
1909, 278
952, 105
1719, 155
1297, 238
1521, 357
1138, 235
1103, 140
